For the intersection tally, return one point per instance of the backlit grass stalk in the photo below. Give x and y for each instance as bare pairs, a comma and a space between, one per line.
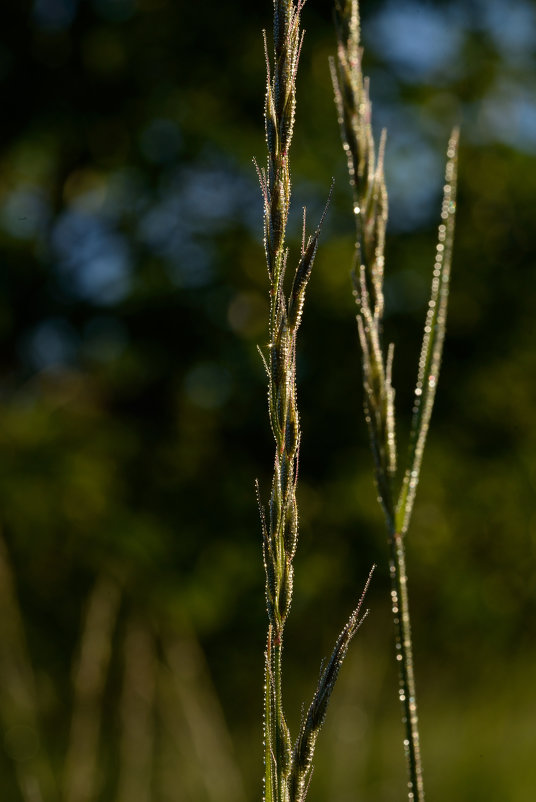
287, 768
200, 761
80, 781
19, 702
137, 709
370, 214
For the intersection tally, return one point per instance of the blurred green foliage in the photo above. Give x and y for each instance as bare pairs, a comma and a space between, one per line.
132, 398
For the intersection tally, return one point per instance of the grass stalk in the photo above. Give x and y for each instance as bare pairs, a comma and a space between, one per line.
370, 207
137, 709
202, 752
89, 680
19, 708
287, 769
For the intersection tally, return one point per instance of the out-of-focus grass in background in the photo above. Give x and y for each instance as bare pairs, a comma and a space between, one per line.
133, 408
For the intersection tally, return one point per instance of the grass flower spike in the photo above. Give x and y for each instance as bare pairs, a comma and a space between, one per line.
287, 768
370, 207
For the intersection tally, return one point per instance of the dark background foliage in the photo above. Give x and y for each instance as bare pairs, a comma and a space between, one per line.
133, 401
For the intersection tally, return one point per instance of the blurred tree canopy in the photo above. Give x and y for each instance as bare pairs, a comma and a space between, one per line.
133, 408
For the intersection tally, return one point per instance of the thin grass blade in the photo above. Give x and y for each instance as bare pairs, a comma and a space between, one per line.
432, 342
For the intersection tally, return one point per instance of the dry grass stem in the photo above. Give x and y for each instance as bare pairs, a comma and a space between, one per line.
189, 704
137, 714
91, 671
19, 709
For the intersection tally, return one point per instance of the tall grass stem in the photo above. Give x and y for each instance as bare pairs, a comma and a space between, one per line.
288, 768
370, 208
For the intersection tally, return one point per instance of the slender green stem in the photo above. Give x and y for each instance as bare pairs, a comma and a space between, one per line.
404, 657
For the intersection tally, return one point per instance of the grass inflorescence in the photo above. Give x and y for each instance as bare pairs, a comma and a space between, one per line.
288, 767
370, 207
